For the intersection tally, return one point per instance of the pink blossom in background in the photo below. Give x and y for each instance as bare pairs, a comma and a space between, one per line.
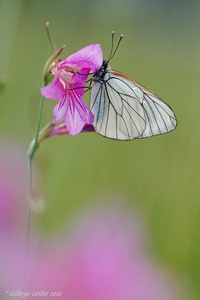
102, 256
13, 215
68, 87
13, 186
106, 259
13, 212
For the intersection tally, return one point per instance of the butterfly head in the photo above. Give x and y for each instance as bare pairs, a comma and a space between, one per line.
99, 75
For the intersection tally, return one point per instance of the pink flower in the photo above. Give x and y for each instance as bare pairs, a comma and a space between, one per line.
13, 188
104, 258
68, 87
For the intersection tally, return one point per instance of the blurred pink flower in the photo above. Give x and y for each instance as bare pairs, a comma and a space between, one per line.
13, 187
103, 258
68, 86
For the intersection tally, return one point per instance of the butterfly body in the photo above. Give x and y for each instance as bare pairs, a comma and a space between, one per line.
101, 74
125, 110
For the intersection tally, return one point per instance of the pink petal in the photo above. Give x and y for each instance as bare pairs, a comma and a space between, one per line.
84, 111
79, 80
88, 57
62, 129
78, 114
54, 90
74, 123
60, 111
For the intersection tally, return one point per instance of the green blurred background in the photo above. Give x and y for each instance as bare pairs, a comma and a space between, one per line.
161, 175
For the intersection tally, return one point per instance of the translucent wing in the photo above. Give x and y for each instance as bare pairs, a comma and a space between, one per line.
117, 112
147, 112
159, 116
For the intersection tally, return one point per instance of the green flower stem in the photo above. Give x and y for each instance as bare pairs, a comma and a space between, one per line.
31, 152
34, 145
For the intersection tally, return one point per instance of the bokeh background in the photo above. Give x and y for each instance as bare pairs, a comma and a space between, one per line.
159, 176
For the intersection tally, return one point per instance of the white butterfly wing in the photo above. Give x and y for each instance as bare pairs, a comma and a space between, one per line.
159, 116
125, 110
117, 113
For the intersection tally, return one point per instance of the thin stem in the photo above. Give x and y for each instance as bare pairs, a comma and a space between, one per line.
31, 154
35, 146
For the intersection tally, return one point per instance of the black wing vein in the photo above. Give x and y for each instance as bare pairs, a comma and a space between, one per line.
125, 110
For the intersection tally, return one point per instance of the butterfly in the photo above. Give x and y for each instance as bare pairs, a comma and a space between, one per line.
123, 109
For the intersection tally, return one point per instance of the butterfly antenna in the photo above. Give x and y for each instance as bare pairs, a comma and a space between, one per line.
112, 45
111, 52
